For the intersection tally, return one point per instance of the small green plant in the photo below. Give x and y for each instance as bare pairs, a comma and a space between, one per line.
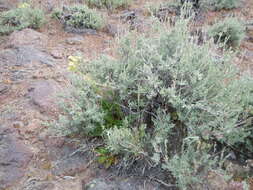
105, 157
113, 114
22, 17
109, 4
79, 17
230, 30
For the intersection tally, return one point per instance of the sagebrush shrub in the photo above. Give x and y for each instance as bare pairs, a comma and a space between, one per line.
164, 10
79, 17
223, 4
176, 100
230, 30
202, 4
109, 4
20, 18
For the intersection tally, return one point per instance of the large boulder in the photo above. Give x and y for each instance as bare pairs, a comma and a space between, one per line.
14, 157
19, 63
127, 183
27, 37
24, 55
64, 156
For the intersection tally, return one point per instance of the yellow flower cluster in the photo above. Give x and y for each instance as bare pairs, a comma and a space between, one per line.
74, 62
24, 5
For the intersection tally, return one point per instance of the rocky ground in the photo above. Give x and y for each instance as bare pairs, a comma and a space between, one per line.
32, 72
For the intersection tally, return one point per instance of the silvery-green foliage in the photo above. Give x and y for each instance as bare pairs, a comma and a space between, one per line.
178, 99
79, 17
190, 168
83, 114
109, 4
230, 30
222, 4
127, 141
20, 18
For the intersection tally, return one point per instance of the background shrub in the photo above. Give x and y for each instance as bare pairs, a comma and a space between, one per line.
177, 101
164, 10
222, 4
79, 17
109, 4
20, 18
230, 30
202, 4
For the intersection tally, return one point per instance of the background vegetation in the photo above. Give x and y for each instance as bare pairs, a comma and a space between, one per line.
20, 18
109, 4
79, 17
230, 30
223, 4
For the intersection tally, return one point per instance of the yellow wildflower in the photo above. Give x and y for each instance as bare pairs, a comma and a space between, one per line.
24, 5
74, 62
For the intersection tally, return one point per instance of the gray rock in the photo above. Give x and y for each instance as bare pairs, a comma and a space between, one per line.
65, 158
70, 165
14, 157
80, 30
4, 5
133, 183
24, 55
34, 184
43, 186
75, 40
3, 89
27, 37
19, 63
43, 95
248, 55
